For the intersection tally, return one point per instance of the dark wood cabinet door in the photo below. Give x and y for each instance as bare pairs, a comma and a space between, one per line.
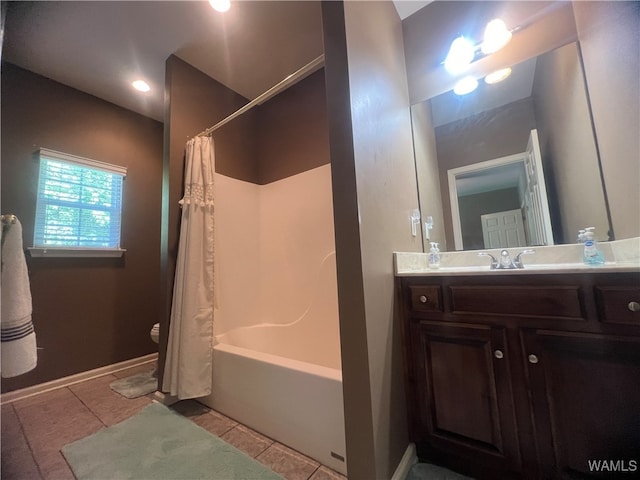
464, 392
585, 394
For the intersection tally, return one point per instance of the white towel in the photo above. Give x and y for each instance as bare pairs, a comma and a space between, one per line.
18, 346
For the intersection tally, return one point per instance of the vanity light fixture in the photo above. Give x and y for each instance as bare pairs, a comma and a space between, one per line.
461, 54
462, 51
497, 76
496, 36
465, 86
220, 5
141, 85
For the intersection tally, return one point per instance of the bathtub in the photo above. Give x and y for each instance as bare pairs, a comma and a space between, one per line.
294, 402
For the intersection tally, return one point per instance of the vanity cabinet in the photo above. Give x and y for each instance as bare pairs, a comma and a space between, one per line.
523, 375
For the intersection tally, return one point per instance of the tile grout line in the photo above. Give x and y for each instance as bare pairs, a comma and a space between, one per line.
314, 472
88, 408
263, 451
26, 439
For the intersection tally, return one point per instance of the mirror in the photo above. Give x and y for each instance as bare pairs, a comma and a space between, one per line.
515, 163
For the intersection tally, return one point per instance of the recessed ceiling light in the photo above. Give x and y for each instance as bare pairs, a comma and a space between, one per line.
141, 85
497, 76
465, 85
220, 5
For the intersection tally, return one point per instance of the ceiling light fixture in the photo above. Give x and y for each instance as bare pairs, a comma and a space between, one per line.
465, 86
220, 5
460, 55
497, 76
141, 86
496, 36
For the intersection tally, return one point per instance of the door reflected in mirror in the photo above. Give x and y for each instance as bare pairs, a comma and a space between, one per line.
501, 203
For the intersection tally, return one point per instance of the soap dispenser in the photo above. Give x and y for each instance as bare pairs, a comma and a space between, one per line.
434, 256
592, 255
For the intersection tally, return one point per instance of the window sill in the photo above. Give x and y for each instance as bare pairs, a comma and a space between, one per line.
57, 252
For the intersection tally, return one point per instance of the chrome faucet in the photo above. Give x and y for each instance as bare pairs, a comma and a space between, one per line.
505, 262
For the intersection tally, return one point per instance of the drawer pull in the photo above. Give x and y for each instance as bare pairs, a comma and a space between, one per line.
634, 306
498, 354
533, 358
424, 299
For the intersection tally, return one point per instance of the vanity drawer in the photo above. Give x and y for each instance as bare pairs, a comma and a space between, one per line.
619, 305
530, 301
426, 298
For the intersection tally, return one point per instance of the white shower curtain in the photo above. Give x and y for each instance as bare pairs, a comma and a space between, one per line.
188, 366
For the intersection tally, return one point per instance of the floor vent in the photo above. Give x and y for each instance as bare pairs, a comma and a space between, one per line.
337, 456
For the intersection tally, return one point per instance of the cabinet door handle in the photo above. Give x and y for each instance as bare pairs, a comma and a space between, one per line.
498, 354
533, 358
634, 306
424, 299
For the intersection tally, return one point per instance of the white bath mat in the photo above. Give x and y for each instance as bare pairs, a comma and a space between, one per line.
136, 385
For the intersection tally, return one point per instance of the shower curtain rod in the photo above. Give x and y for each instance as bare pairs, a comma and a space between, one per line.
308, 69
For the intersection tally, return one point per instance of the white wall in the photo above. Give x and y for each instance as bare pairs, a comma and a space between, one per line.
237, 259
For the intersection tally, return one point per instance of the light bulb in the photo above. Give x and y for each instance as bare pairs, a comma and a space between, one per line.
460, 55
220, 5
497, 76
496, 36
141, 86
465, 85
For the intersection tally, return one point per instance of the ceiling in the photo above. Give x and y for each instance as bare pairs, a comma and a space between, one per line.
100, 47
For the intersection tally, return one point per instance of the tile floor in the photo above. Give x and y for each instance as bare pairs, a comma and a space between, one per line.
36, 428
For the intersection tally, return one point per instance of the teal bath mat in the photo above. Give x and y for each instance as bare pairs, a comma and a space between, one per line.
158, 443
136, 385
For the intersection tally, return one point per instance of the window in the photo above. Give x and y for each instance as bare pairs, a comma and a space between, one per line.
78, 208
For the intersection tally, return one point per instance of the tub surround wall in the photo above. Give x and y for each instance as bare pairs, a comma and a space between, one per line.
275, 259
87, 312
237, 270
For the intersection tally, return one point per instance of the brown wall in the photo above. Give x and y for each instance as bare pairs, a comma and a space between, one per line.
292, 132
87, 313
465, 142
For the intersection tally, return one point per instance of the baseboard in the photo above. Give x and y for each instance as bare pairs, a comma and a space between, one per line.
27, 392
408, 460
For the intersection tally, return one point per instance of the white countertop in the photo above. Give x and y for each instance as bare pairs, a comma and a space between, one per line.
620, 256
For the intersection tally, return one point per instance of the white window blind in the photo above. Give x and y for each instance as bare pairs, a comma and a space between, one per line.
79, 203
